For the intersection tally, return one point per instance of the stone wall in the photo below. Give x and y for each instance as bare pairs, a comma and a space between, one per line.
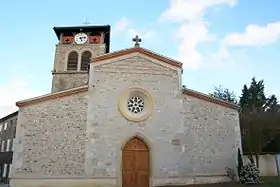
79, 138
62, 51
188, 137
108, 129
209, 138
66, 80
50, 138
63, 79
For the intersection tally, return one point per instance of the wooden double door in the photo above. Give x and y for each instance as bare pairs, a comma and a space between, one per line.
135, 164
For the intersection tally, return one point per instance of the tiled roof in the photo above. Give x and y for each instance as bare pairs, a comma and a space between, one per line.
209, 98
52, 96
60, 29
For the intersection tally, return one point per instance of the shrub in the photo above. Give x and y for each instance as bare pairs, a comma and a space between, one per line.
250, 174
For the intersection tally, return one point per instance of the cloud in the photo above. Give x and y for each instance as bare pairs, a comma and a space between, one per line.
190, 35
125, 29
17, 88
142, 33
121, 25
193, 29
255, 35
190, 10
223, 53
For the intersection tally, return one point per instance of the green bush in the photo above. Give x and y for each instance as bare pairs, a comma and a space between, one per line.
250, 174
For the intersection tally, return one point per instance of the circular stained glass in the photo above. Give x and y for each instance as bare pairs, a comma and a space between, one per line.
135, 104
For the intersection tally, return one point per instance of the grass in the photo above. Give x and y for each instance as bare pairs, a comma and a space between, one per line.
271, 181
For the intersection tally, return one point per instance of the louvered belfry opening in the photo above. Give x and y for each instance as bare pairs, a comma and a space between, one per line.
72, 63
85, 60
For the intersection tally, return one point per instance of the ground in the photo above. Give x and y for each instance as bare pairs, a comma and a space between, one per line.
268, 182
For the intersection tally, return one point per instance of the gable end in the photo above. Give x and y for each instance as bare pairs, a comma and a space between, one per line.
139, 50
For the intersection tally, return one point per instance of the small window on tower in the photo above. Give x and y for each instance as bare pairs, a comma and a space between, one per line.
85, 60
67, 38
72, 63
95, 38
5, 125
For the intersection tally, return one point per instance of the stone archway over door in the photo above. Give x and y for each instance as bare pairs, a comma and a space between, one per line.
135, 164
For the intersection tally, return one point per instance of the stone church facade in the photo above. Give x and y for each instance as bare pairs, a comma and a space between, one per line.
125, 120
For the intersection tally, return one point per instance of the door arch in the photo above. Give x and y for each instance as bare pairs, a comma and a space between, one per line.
135, 164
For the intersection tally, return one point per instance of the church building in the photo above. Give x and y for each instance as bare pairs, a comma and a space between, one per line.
120, 119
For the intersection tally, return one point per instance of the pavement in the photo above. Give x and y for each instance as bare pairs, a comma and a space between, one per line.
4, 185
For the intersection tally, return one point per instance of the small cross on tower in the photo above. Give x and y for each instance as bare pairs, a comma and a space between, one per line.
137, 41
86, 22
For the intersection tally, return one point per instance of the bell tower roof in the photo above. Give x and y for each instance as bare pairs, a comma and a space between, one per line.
106, 29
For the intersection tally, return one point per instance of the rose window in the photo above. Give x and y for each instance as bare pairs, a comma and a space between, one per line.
135, 104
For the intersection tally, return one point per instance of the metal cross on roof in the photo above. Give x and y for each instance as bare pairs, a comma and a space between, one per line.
86, 22
137, 41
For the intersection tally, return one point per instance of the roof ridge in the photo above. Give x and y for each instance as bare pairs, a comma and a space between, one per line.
210, 98
51, 96
142, 50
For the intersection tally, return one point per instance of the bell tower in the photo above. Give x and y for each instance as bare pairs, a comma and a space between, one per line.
77, 45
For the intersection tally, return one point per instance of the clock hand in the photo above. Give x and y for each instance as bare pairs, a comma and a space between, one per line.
81, 38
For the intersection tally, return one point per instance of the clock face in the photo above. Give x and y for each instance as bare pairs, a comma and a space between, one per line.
81, 38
